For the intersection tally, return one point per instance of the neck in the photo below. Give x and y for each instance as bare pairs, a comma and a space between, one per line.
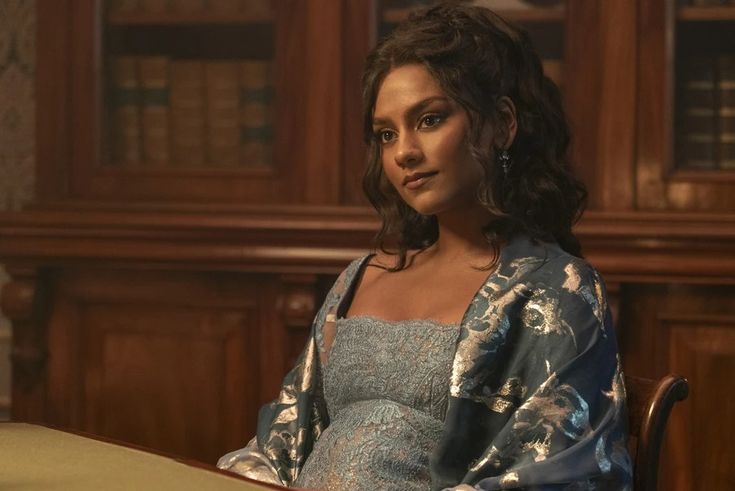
461, 237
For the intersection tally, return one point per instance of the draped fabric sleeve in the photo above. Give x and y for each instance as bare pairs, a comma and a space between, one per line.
289, 426
537, 400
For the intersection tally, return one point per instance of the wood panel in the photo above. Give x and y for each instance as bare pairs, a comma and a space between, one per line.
703, 349
689, 330
167, 360
358, 32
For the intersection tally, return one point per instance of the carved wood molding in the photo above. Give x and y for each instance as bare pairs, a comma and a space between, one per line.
22, 301
626, 246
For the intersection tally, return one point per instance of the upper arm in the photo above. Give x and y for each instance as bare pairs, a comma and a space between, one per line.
555, 401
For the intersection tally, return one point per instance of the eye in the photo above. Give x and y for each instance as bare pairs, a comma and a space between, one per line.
384, 136
431, 120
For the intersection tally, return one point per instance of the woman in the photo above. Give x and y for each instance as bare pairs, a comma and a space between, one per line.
477, 352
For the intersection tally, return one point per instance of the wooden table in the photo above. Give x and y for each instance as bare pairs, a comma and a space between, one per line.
37, 457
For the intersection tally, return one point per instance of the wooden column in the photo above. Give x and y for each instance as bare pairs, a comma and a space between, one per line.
23, 303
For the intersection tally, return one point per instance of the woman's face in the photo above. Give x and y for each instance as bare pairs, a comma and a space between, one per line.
423, 135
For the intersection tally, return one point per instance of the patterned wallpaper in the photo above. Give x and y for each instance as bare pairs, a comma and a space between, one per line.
17, 124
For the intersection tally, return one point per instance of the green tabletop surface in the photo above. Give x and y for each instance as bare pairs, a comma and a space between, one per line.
37, 457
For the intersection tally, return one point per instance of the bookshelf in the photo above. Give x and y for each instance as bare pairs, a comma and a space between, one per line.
189, 84
704, 71
179, 107
544, 21
711, 13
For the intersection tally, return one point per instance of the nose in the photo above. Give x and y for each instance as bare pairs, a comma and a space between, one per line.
409, 151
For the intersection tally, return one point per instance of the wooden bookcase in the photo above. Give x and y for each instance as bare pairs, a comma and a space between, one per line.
206, 275
684, 110
280, 41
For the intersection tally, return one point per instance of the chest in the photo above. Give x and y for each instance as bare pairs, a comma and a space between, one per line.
440, 295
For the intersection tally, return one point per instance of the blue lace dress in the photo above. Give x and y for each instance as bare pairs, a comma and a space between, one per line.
385, 386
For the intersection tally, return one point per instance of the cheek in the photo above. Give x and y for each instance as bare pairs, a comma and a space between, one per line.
390, 170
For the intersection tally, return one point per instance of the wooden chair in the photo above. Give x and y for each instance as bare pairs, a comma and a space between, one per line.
649, 406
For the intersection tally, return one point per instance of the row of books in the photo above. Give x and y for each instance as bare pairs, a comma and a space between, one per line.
710, 3
260, 7
191, 112
706, 118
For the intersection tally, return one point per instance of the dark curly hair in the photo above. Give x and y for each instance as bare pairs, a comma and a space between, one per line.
477, 58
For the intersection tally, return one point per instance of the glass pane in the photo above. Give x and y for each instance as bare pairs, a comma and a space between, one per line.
705, 86
189, 83
543, 19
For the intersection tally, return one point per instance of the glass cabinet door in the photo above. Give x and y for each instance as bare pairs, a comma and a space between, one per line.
705, 86
685, 143
187, 102
188, 84
543, 19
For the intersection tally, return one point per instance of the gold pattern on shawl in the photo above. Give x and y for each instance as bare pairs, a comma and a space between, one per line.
553, 407
309, 367
491, 457
509, 480
542, 315
288, 395
592, 292
286, 416
502, 290
498, 402
294, 453
573, 281
513, 387
468, 352
600, 296
540, 447
618, 453
617, 387
500, 405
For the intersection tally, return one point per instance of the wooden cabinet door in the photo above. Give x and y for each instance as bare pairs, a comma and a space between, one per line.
688, 330
179, 362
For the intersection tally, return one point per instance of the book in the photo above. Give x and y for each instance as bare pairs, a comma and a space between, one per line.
154, 81
708, 3
126, 123
697, 116
222, 93
256, 113
187, 113
726, 110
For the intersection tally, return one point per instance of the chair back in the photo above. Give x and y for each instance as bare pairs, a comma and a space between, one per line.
649, 406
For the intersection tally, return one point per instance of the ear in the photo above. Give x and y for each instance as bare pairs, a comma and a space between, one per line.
508, 126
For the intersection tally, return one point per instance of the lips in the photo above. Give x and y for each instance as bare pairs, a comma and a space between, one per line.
417, 179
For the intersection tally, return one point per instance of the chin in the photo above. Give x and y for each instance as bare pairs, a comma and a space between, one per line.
426, 208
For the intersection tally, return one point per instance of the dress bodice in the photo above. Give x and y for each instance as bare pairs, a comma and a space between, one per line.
386, 386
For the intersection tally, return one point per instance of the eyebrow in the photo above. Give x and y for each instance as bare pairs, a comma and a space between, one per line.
413, 110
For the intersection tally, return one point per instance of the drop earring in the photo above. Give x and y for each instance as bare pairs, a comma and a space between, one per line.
505, 161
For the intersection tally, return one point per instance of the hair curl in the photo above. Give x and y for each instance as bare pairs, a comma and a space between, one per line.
477, 58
